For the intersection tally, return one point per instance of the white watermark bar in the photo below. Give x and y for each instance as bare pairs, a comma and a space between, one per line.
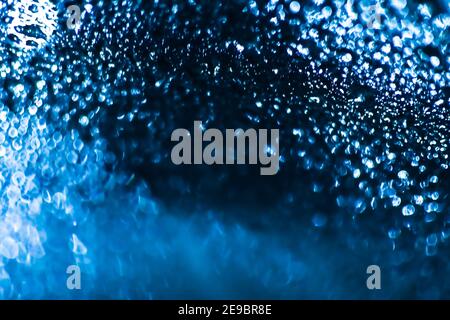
235, 148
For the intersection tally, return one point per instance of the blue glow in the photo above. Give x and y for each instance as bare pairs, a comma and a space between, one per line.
358, 89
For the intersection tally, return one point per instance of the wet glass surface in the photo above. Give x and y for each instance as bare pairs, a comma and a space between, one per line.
359, 91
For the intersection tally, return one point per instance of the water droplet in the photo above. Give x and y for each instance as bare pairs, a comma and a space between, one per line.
408, 210
435, 61
9, 248
347, 57
294, 6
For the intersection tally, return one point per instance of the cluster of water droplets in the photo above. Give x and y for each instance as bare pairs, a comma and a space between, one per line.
359, 90
393, 128
47, 172
374, 116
